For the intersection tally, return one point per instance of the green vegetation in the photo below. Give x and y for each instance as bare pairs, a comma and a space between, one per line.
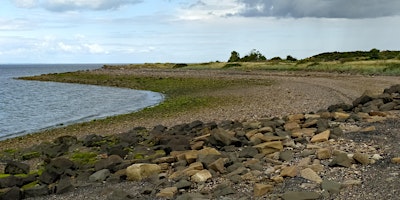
253, 56
84, 157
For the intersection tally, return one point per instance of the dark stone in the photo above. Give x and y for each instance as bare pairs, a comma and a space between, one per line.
48, 177
388, 106
37, 191
159, 129
336, 133
220, 137
66, 140
100, 176
120, 195
13, 167
93, 140
180, 129
196, 125
108, 163
192, 196
174, 142
55, 169
223, 190
64, 185
55, 150
208, 159
13, 193
183, 184
362, 100
10, 181
248, 152
322, 125
234, 166
392, 89
340, 107
118, 150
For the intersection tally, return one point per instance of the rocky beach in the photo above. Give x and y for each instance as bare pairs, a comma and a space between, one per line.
306, 136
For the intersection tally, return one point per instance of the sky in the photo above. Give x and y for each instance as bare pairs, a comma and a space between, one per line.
140, 31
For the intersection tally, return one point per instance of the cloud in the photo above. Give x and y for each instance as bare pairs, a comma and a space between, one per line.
73, 5
206, 9
320, 8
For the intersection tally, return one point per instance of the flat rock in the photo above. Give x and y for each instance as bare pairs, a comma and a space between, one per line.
341, 160
311, 175
167, 193
324, 153
396, 160
289, 171
300, 195
361, 158
99, 176
137, 172
262, 189
201, 176
331, 186
321, 137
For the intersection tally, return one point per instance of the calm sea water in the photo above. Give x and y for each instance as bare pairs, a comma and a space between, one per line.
30, 106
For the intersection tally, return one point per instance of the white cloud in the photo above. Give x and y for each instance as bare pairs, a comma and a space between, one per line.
95, 49
72, 5
207, 9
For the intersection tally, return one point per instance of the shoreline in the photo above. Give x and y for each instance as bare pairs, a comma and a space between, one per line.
290, 92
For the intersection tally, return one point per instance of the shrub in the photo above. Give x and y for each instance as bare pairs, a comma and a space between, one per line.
180, 65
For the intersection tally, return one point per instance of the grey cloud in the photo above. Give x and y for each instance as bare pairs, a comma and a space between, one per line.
320, 8
72, 5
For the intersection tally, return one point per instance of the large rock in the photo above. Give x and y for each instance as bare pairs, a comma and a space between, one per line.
13, 193
167, 193
392, 89
138, 172
321, 137
37, 191
99, 176
108, 163
311, 175
341, 159
13, 167
221, 137
64, 185
331, 186
201, 176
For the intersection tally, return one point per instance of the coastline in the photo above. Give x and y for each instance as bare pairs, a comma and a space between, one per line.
287, 93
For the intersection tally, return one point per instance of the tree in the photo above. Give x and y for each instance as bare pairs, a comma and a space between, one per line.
235, 57
374, 54
254, 55
290, 58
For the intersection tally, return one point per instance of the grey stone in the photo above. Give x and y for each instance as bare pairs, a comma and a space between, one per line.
286, 155
64, 185
331, 186
120, 195
388, 106
108, 163
300, 195
392, 89
183, 184
99, 175
248, 152
221, 137
192, 196
341, 160
223, 190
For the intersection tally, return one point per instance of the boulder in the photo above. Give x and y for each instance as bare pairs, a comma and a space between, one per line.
321, 137
361, 158
109, 163
138, 172
388, 106
201, 176
99, 176
10, 181
331, 186
14, 167
64, 185
13, 193
311, 175
392, 89
221, 137
37, 191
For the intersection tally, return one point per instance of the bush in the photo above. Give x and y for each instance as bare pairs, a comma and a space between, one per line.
180, 65
230, 65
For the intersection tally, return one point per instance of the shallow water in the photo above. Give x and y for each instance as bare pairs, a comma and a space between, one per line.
29, 106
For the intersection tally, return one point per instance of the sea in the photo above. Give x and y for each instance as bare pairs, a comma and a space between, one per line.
30, 106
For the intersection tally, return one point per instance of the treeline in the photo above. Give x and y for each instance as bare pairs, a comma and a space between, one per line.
373, 54
254, 56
